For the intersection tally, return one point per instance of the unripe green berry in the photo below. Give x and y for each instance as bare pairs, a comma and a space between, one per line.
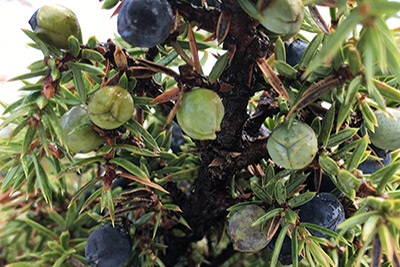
77, 127
110, 107
244, 236
54, 24
200, 114
386, 135
283, 17
294, 147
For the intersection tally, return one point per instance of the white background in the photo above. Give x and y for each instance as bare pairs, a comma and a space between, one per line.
15, 55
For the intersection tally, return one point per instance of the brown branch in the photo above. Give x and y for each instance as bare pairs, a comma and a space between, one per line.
205, 208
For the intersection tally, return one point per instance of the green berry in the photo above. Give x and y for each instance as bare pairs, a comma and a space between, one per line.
244, 236
77, 127
54, 24
284, 17
386, 135
200, 114
280, 17
110, 107
294, 147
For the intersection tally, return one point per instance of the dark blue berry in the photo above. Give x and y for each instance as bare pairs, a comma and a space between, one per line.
121, 182
322, 183
33, 20
177, 139
285, 255
108, 246
370, 166
89, 191
324, 210
145, 23
295, 51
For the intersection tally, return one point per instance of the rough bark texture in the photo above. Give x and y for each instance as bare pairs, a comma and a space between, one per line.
239, 143
242, 139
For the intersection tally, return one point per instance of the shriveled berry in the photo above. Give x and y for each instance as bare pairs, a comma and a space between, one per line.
77, 127
245, 237
200, 114
108, 246
110, 107
294, 51
371, 166
54, 24
145, 23
294, 147
324, 210
386, 135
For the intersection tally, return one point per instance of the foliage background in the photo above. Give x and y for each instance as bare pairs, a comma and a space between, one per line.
66, 225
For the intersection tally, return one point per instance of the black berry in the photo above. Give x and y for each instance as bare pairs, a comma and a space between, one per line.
324, 210
108, 246
320, 184
177, 139
370, 166
145, 23
285, 255
121, 182
294, 51
89, 191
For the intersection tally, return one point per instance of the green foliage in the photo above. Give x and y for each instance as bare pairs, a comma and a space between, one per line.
182, 191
